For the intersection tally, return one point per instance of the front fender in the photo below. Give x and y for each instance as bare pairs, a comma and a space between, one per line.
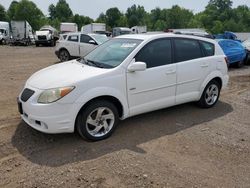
102, 91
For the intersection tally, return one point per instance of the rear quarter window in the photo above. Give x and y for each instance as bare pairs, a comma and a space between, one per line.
73, 38
208, 48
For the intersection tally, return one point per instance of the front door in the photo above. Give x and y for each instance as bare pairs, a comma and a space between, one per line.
85, 46
155, 87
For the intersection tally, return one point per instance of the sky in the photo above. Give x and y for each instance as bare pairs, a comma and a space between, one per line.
93, 8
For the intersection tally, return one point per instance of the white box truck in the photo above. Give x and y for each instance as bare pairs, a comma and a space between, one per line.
94, 28
21, 33
139, 29
4, 32
68, 27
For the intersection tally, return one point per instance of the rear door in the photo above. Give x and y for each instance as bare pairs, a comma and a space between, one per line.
192, 67
85, 46
72, 45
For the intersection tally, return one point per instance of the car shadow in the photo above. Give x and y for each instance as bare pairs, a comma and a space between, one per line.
57, 150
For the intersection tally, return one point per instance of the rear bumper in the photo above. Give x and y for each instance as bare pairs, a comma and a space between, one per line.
225, 81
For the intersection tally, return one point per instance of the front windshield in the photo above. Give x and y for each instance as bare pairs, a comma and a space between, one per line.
125, 32
113, 52
100, 38
2, 31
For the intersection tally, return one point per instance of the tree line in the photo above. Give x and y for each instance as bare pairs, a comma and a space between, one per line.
218, 16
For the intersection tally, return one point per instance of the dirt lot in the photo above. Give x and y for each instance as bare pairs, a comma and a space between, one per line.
183, 146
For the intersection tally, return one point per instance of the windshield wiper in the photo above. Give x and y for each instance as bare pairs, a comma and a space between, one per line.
96, 64
90, 62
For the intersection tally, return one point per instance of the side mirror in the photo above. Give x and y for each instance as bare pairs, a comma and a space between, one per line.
137, 66
92, 42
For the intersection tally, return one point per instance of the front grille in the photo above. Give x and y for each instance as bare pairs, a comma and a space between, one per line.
27, 93
42, 37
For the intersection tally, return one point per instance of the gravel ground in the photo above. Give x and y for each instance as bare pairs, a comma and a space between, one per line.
182, 146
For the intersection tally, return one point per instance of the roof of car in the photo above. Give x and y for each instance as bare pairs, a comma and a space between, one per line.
77, 33
148, 36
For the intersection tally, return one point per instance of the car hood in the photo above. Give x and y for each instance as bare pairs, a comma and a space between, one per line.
42, 33
63, 74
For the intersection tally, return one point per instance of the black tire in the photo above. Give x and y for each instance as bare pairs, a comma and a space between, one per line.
52, 43
204, 101
240, 64
37, 45
64, 55
99, 127
246, 61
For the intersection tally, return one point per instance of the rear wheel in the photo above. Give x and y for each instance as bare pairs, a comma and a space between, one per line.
240, 64
210, 95
98, 120
64, 55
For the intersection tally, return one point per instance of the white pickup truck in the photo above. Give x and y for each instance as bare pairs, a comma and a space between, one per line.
4, 32
47, 35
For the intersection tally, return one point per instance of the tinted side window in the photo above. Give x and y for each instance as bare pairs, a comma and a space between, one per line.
73, 38
208, 48
85, 39
156, 53
186, 49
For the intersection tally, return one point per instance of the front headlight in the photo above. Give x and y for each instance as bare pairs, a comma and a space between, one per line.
52, 95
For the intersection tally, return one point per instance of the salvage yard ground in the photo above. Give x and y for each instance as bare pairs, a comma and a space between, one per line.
182, 146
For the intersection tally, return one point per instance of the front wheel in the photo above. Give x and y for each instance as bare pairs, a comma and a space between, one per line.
4, 42
210, 95
64, 55
97, 121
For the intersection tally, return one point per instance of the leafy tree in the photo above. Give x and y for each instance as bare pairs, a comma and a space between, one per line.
52, 12
12, 10
102, 18
27, 10
221, 5
81, 20
3, 14
178, 17
61, 11
136, 15
113, 16
217, 28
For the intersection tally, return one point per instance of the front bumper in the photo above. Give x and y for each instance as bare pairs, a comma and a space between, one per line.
57, 53
48, 118
43, 41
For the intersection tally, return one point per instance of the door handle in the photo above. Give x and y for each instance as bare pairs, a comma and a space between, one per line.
204, 65
170, 71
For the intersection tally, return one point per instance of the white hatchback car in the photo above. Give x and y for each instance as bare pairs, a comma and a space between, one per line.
126, 76
74, 45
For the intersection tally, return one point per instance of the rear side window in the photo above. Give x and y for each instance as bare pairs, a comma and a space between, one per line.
73, 38
186, 49
156, 53
208, 48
